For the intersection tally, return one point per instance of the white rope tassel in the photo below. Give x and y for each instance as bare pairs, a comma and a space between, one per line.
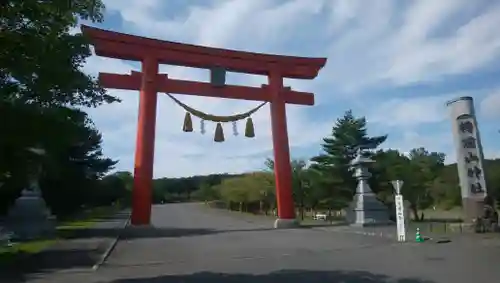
202, 127
235, 128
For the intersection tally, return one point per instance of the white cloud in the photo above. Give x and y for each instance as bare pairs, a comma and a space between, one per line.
412, 139
419, 57
342, 12
406, 116
398, 112
381, 44
490, 105
367, 43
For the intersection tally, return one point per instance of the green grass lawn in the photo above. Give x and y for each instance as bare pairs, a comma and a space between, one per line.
8, 254
88, 218
34, 246
451, 215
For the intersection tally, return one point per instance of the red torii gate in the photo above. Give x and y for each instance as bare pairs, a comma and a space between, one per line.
152, 52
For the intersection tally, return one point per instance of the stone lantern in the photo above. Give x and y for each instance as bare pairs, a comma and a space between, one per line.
29, 217
365, 209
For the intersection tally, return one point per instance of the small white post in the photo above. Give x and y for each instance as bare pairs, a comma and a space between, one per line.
400, 211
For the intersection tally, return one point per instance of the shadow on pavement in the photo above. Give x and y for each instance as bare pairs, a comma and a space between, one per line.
48, 261
168, 232
159, 232
288, 276
141, 232
319, 224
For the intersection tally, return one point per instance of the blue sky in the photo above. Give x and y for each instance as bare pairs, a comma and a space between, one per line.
394, 62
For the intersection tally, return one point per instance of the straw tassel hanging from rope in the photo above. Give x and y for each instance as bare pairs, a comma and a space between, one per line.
202, 127
188, 123
235, 129
249, 130
219, 131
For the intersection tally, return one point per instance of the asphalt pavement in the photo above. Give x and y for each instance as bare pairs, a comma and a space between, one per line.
193, 243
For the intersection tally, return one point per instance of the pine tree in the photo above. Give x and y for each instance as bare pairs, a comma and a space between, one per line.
339, 149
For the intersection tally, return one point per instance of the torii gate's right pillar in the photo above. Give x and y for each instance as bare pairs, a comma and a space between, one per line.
282, 167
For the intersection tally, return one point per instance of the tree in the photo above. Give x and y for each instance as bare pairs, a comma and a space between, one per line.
40, 73
127, 178
269, 164
423, 170
41, 62
206, 193
340, 149
389, 165
111, 189
492, 174
232, 191
316, 193
298, 181
247, 190
42, 88
74, 167
299, 184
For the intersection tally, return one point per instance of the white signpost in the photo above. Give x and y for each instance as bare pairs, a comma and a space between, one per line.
400, 211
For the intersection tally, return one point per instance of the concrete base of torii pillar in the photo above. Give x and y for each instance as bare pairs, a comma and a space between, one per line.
286, 223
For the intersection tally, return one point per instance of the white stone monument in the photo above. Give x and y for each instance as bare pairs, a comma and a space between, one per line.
469, 156
366, 209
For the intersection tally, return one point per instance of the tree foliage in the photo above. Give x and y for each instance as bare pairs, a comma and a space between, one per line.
40, 60
247, 189
299, 181
42, 92
328, 184
339, 149
420, 170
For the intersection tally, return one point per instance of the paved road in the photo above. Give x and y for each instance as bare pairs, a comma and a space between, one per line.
192, 243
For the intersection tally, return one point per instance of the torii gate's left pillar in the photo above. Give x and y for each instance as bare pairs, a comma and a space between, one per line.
145, 144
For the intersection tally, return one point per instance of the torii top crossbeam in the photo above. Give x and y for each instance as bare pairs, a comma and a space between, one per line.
130, 47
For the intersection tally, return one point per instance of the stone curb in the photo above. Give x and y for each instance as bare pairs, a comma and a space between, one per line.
364, 233
431, 238
111, 247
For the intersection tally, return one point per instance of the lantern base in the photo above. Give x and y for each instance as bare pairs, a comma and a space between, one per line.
367, 210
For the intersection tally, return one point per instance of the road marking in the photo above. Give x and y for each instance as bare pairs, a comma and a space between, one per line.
108, 251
